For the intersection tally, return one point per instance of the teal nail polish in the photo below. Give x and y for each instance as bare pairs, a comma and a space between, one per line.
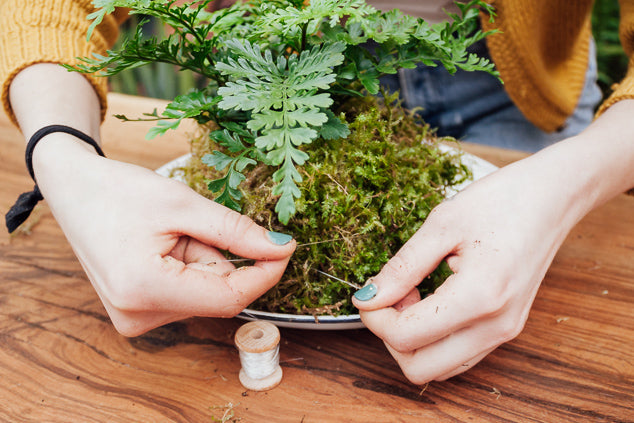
366, 293
279, 238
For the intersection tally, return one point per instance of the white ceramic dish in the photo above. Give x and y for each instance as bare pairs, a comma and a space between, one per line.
478, 166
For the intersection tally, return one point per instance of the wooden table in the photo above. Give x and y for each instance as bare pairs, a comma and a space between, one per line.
61, 359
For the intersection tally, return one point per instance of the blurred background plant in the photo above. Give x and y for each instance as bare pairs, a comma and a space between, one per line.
611, 58
156, 80
160, 80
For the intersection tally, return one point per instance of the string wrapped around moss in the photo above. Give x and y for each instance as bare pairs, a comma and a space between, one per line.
362, 198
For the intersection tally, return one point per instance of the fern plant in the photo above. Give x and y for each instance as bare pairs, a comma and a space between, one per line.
277, 69
294, 134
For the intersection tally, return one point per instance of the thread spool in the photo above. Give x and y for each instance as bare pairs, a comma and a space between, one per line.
259, 345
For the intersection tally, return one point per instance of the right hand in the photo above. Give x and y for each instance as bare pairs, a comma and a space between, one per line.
151, 246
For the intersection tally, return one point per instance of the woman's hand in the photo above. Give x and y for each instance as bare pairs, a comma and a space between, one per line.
499, 237
488, 235
151, 246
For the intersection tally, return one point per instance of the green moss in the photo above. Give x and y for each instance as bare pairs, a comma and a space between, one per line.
363, 197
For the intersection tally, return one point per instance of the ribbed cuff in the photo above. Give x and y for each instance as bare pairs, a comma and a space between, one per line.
624, 90
55, 32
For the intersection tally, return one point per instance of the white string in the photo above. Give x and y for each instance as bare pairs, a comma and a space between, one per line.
260, 365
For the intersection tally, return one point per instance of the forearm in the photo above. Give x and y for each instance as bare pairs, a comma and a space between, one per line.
608, 145
46, 94
594, 166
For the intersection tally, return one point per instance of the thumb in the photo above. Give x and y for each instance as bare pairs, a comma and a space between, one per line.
226, 229
413, 262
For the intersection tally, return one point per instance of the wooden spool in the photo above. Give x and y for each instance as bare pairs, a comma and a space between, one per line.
258, 337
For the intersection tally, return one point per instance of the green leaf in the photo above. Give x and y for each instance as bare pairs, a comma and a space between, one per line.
162, 126
243, 162
227, 199
227, 139
370, 80
285, 21
334, 128
235, 178
271, 140
195, 105
318, 100
267, 119
285, 207
299, 136
306, 117
216, 185
217, 160
298, 157
237, 128
227, 186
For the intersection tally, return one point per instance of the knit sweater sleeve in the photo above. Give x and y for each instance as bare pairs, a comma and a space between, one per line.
51, 31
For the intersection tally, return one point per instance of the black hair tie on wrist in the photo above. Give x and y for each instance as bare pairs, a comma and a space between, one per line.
27, 201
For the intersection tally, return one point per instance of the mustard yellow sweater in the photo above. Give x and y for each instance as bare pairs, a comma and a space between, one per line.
541, 51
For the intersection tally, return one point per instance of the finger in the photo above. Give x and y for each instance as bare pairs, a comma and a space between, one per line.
195, 254
410, 299
133, 324
409, 266
465, 366
182, 289
453, 353
409, 363
459, 303
225, 229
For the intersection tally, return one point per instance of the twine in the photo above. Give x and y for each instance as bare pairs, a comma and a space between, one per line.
260, 365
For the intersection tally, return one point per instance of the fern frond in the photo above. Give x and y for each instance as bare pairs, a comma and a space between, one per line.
286, 108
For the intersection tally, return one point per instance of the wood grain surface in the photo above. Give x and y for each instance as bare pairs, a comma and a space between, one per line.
62, 361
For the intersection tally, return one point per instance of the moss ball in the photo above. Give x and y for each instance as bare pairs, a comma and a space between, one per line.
362, 198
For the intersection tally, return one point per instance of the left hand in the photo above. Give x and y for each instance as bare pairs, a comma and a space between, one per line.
499, 237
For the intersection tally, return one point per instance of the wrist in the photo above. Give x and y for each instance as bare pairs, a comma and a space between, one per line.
582, 172
603, 155
610, 150
564, 178
60, 158
68, 148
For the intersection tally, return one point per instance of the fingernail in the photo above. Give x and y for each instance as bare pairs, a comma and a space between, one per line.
279, 238
366, 293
